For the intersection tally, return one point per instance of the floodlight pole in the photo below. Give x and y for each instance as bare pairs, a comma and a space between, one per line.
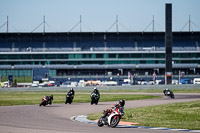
7, 25
80, 24
153, 23
189, 23
44, 24
117, 23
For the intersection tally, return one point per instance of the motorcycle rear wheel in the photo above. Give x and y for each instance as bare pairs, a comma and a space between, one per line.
172, 96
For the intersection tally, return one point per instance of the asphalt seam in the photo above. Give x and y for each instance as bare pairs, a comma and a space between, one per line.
83, 118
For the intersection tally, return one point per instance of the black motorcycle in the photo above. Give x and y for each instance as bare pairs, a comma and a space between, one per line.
69, 98
94, 98
46, 100
169, 94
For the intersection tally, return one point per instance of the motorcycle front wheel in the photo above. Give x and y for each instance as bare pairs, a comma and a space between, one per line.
100, 122
92, 101
42, 103
70, 101
114, 122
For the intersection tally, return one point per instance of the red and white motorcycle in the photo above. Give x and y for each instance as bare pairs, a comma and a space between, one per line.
111, 117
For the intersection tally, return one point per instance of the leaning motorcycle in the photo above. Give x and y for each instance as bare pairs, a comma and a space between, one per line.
46, 100
94, 98
170, 94
111, 119
69, 98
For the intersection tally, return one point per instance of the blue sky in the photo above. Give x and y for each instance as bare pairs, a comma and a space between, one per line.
97, 15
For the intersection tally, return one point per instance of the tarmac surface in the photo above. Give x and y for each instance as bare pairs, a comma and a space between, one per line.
55, 118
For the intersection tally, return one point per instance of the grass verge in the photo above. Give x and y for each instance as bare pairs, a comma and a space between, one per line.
28, 98
177, 115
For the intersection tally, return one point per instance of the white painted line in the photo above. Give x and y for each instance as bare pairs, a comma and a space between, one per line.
197, 131
82, 118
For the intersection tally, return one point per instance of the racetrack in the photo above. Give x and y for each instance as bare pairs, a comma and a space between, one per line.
56, 118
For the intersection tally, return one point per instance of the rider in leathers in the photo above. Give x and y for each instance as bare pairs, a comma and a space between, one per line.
46, 98
96, 91
119, 105
71, 92
165, 91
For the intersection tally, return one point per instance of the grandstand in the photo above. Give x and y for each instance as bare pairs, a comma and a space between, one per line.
96, 54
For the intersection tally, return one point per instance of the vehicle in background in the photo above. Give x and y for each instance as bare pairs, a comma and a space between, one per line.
159, 82
196, 81
109, 83
24, 84
4, 84
92, 83
81, 83
142, 82
185, 81
175, 82
57, 83
69, 84
124, 82
34, 85
151, 82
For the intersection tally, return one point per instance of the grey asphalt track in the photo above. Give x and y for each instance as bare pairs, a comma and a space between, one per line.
56, 117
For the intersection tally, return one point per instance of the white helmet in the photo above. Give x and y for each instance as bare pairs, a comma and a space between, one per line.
95, 88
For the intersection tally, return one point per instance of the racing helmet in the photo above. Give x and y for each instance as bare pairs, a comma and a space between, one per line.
71, 89
95, 88
122, 102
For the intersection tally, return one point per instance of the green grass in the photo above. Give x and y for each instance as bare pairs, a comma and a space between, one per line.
178, 115
28, 98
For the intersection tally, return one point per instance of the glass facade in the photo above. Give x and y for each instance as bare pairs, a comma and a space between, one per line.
52, 73
94, 56
107, 58
17, 73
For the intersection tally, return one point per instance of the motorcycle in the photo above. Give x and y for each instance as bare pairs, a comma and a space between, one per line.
169, 94
94, 98
111, 119
46, 100
69, 98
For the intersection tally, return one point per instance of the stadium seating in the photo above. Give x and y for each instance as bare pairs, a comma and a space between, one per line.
95, 42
